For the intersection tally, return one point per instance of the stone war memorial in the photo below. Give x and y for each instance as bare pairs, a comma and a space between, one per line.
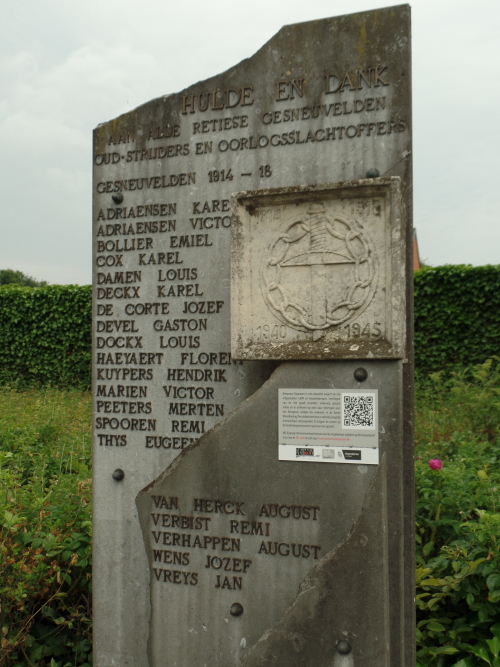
253, 488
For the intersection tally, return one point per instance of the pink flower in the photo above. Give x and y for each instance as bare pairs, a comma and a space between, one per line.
435, 464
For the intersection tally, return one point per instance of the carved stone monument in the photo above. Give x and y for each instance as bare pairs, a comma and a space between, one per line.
252, 321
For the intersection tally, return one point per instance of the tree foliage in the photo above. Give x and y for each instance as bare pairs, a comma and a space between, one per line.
11, 277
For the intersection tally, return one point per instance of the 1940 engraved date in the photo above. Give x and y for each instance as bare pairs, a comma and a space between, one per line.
266, 332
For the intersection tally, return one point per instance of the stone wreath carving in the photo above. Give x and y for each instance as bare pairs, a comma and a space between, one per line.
320, 243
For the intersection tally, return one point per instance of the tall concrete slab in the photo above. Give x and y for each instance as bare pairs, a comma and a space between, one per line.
323, 102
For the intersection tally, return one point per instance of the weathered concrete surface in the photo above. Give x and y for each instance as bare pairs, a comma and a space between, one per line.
355, 575
344, 598
285, 130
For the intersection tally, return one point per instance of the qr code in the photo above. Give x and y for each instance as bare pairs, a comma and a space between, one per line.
358, 411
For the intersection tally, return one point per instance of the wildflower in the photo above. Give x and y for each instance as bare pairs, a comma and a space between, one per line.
435, 464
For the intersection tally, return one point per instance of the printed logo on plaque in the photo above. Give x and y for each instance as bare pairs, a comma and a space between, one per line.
317, 272
320, 272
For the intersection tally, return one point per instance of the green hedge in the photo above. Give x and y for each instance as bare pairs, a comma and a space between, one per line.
45, 335
457, 316
45, 332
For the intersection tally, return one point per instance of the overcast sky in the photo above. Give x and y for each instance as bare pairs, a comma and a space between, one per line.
67, 66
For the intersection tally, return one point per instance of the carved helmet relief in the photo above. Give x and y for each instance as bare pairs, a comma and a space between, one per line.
320, 272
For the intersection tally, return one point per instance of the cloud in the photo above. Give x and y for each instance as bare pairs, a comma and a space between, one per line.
65, 67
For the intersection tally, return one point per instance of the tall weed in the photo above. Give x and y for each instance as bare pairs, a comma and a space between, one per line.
45, 529
458, 518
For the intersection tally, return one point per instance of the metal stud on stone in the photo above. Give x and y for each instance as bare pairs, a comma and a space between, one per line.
236, 609
118, 475
360, 374
372, 173
344, 647
118, 197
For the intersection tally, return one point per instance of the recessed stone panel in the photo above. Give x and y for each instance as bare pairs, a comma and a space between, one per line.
244, 548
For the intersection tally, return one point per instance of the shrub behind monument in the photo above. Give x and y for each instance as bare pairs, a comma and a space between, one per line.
45, 335
457, 316
45, 331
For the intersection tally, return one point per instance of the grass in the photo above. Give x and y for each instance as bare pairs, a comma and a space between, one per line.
45, 529
48, 430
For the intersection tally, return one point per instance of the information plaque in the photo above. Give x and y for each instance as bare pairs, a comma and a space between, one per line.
328, 426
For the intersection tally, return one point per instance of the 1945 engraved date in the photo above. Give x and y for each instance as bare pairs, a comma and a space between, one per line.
368, 331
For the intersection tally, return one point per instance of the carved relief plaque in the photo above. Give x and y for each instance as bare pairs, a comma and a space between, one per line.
318, 272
